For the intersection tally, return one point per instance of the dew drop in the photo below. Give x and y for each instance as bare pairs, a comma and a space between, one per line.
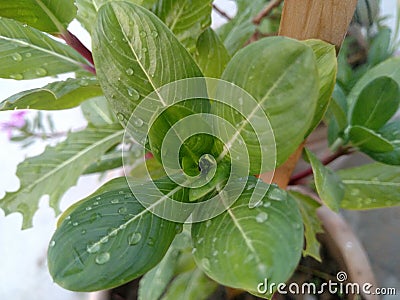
28, 54
95, 203
122, 210
138, 122
17, 76
143, 34
134, 238
200, 240
178, 229
154, 34
83, 231
112, 232
150, 242
215, 253
121, 192
41, 72
129, 71
75, 224
93, 248
52, 243
102, 258
88, 208
122, 227
262, 217
133, 93
104, 240
120, 117
144, 50
194, 250
267, 204
277, 194
94, 217
214, 240
250, 187
16, 57
68, 218
114, 201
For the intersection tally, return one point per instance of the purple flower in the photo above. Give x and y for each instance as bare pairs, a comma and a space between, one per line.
17, 121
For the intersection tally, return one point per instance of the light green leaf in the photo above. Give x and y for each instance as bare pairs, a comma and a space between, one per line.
135, 53
371, 186
238, 31
211, 54
327, 67
98, 112
87, 10
54, 96
379, 49
57, 169
376, 104
187, 19
106, 162
390, 132
272, 70
242, 247
192, 285
328, 183
115, 240
312, 225
27, 53
369, 140
46, 15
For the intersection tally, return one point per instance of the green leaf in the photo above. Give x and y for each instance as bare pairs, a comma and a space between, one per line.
87, 10
391, 133
211, 56
327, 67
115, 240
98, 112
191, 285
369, 140
27, 53
272, 70
312, 225
135, 53
235, 33
54, 96
187, 19
62, 164
242, 247
371, 186
106, 162
46, 15
376, 104
328, 183
379, 49
336, 115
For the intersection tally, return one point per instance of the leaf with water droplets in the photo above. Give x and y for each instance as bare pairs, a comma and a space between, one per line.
118, 246
54, 96
329, 186
46, 15
63, 164
27, 53
371, 186
312, 225
243, 246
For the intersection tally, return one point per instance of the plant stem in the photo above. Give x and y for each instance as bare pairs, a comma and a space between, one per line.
326, 161
266, 11
221, 12
75, 43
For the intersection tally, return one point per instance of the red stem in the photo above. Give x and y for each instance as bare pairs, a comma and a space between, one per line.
75, 43
326, 161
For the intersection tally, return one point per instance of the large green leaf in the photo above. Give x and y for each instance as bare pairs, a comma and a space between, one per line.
135, 53
327, 67
238, 31
380, 49
115, 240
312, 225
186, 18
27, 53
211, 55
376, 104
369, 140
242, 247
328, 183
391, 133
87, 10
371, 186
57, 169
272, 70
54, 96
46, 15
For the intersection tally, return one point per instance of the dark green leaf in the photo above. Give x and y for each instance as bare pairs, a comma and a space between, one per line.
27, 53
46, 15
115, 240
328, 183
57, 169
242, 247
336, 115
368, 140
106, 162
187, 19
312, 225
54, 96
272, 70
379, 49
371, 186
376, 104
211, 55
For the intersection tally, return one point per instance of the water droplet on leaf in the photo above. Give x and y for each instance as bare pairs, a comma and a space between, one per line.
262, 217
122, 210
102, 258
129, 71
41, 72
52, 243
93, 248
16, 57
134, 238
